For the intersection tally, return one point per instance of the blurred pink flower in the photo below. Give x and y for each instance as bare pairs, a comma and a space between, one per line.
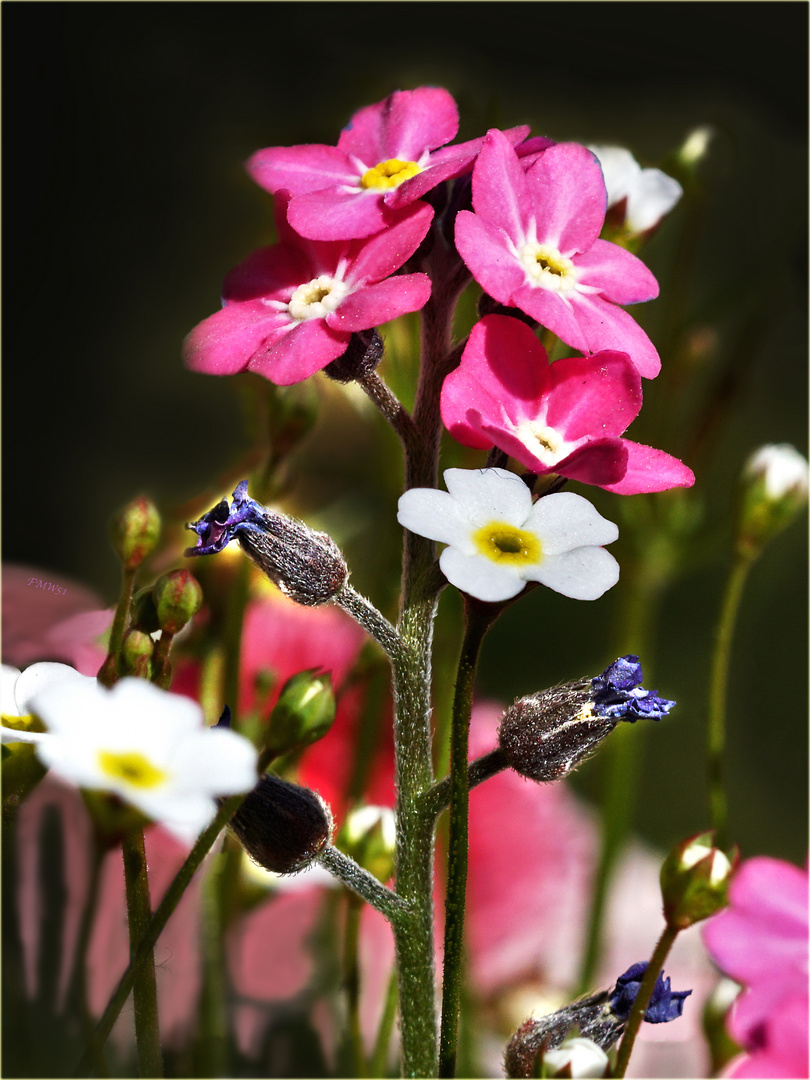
41, 624
761, 940
566, 417
290, 309
388, 155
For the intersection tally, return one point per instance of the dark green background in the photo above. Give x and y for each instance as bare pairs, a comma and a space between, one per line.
125, 201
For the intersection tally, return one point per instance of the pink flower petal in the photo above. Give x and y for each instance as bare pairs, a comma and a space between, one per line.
336, 215
293, 356
621, 276
300, 169
650, 470
602, 325
598, 394
224, 343
403, 126
268, 273
500, 190
483, 247
382, 254
377, 304
568, 197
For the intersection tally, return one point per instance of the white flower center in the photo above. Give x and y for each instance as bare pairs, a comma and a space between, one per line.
546, 267
317, 298
543, 442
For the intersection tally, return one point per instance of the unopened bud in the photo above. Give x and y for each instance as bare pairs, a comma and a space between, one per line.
577, 1058
135, 532
364, 353
306, 565
546, 735
694, 881
304, 712
136, 654
177, 598
774, 485
281, 825
696, 146
369, 835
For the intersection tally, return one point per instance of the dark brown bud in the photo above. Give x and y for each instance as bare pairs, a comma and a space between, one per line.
281, 825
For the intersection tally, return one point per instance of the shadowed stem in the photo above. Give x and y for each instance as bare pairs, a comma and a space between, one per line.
643, 996
144, 991
389, 405
476, 627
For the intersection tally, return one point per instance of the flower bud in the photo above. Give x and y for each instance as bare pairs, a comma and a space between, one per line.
576, 1058
281, 825
774, 486
136, 654
306, 565
369, 835
546, 735
135, 532
304, 712
694, 881
142, 613
364, 353
177, 598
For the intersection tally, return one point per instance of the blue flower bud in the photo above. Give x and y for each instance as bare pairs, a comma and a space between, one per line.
665, 1004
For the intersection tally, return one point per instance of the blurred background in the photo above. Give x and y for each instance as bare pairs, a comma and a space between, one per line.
126, 129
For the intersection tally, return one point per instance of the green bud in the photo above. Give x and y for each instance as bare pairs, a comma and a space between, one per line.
304, 712
177, 598
136, 654
142, 613
369, 835
135, 532
774, 486
694, 881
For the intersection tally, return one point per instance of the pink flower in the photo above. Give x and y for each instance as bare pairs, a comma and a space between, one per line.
290, 309
385, 158
761, 940
566, 417
533, 243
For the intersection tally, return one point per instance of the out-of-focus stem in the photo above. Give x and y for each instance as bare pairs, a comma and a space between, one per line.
643, 996
144, 991
109, 672
387, 402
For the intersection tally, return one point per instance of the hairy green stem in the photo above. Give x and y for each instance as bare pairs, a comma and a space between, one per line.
144, 991
475, 630
438, 798
379, 1056
389, 405
718, 684
351, 982
364, 884
643, 996
373, 622
110, 669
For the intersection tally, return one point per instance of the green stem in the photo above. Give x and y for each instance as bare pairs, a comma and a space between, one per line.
654, 967
88, 918
139, 910
724, 633
156, 925
109, 672
364, 884
161, 665
379, 1057
476, 627
438, 798
351, 982
366, 615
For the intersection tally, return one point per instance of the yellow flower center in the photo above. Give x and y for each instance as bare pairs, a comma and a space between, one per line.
131, 767
545, 266
504, 543
389, 174
317, 298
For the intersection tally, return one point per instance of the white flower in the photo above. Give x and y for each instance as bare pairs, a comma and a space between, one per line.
582, 1056
782, 468
650, 193
18, 688
139, 742
498, 540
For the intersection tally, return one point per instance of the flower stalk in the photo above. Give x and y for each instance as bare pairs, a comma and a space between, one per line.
660, 953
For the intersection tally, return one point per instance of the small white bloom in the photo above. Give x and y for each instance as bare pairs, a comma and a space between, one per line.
147, 746
650, 193
18, 688
783, 469
582, 1056
498, 539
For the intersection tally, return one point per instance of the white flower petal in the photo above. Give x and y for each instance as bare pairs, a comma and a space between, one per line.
434, 514
565, 521
479, 576
583, 1058
39, 677
619, 168
218, 761
653, 195
489, 495
136, 698
583, 574
12, 735
8, 701
185, 814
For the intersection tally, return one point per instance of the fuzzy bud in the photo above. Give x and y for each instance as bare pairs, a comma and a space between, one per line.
369, 835
304, 712
177, 598
281, 825
774, 486
135, 532
591, 1017
576, 1058
694, 881
364, 353
136, 654
306, 565
546, 735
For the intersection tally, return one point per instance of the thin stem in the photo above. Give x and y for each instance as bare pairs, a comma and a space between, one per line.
438, 798
475, 630
363, 883
643, 996
139, 910
156, 925
88, 918
373, 622
109, 672
379, 1057
389, 405
351, 981
718, 684
161, 665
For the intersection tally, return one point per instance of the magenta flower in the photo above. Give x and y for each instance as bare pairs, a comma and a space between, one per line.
566, 417
290, 309
386, 157
760, 940
533, 243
